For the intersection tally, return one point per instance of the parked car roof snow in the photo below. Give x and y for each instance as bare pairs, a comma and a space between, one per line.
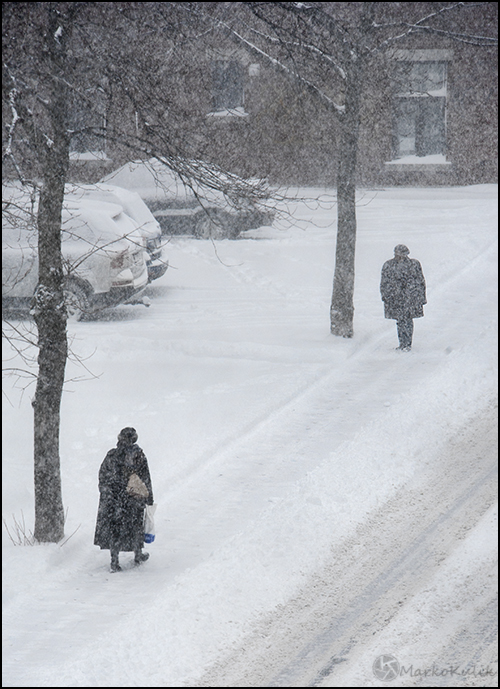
192, 207
147, 227
101, 266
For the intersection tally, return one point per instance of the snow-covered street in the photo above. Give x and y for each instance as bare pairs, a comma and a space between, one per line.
322, 503
400, 586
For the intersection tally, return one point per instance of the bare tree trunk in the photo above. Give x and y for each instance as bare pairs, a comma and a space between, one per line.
342, 306
50, 319
49, 309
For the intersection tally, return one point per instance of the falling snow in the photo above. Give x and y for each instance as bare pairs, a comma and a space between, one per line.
320, 501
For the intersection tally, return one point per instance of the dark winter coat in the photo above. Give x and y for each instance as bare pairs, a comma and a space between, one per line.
120, 517
402, 287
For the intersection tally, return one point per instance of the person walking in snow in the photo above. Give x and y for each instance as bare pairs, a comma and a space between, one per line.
402, 287
125, 490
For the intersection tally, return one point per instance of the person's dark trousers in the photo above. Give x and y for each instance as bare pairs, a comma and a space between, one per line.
115, 566
405, 333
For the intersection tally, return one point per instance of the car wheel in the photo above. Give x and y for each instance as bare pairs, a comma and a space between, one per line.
203, 228
76, 301
208, 228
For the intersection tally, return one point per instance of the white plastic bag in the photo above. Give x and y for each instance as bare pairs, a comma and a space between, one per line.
149, 523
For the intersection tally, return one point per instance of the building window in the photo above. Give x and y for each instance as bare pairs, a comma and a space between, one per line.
87, 122
419, 108
227, 85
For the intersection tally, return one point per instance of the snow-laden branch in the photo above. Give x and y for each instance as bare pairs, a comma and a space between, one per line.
9, 153
427, 17
306, 46
422, 26
470, 39
12, 125
277, 64
317, 14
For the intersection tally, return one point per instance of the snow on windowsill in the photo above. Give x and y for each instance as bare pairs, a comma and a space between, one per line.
436, 159
235, 112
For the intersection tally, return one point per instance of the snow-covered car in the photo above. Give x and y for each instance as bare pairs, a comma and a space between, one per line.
102, 267
148, 228
190, 208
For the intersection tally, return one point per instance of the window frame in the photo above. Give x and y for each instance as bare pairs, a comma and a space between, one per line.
426, 107
84, 114
228, 84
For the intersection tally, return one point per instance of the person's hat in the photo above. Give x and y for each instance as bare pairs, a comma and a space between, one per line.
401, 250
128, 435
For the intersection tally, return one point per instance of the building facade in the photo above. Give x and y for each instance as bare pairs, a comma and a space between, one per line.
429, 114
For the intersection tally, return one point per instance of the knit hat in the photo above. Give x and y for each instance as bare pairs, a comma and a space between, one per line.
401, 250
128, 436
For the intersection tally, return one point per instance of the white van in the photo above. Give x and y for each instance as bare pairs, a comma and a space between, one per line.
102, 267
148, 227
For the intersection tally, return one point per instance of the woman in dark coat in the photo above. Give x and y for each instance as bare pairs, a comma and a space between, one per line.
402, 287
120, 517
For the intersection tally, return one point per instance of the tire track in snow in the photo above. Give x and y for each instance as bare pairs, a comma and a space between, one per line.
373, 575
477, 644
